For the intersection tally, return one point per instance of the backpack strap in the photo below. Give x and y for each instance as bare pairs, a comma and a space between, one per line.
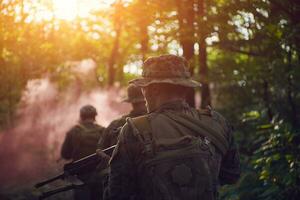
142, 130
202, 129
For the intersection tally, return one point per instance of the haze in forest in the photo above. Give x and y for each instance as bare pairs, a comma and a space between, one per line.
246, 55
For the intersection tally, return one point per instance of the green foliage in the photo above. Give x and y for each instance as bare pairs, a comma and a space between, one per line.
253, 58
272, 172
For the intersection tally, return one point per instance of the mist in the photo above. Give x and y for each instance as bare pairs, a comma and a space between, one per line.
30, 149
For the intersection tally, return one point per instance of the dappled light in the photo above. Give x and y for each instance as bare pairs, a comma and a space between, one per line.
58, 55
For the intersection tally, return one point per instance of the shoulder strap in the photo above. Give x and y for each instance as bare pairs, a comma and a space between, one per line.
142, 129
196, 125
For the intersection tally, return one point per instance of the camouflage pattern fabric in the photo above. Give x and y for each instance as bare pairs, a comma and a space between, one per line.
169, 69
127, 177
134, 94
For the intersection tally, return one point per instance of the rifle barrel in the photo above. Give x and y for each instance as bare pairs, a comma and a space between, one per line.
40, 184
94, 154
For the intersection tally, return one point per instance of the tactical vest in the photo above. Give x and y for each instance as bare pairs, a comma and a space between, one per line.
86, 141
181, 169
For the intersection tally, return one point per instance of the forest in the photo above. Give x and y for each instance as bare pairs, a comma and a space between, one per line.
245, 53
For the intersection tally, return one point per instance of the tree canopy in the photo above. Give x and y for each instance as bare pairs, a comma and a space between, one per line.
246, 54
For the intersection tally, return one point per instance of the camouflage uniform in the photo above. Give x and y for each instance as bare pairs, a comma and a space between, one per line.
80, 141
174, 152
110, 134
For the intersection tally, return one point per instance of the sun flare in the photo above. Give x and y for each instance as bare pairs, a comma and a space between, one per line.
70, 9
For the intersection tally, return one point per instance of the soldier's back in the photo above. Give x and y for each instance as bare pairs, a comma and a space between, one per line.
86, 137
180, 160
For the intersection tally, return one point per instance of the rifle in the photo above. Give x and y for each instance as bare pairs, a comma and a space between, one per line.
47, 194
78, 167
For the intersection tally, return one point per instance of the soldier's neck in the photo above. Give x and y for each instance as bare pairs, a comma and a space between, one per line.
162, 101
87, 121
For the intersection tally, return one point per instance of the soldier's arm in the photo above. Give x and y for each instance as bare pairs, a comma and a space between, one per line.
102, 143
106, 138
230, 165
67, 147
122, 177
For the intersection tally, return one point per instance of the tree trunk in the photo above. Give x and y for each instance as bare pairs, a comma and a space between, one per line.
144, 40
186, 18
203, 70
266, 97
143, 21
115, 50
290, 92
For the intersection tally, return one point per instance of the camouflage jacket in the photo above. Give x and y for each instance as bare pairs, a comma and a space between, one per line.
111, 133
125, 179
72, 148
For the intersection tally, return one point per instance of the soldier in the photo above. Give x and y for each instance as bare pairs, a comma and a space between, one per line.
80, 141
175, 151
136, 98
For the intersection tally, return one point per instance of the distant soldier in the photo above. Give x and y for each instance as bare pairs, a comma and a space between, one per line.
111, 133
80, 141
136, 98
175, 152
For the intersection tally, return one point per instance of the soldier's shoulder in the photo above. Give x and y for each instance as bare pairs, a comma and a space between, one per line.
217, 116
120, 120
208, 111
99, 127
115, 123
133, 126
126, 133
75, 128
141, 117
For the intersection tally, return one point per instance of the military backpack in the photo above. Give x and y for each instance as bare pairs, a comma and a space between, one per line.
177, 169
86, 141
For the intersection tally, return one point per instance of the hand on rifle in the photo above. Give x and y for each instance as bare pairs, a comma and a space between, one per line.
104, 159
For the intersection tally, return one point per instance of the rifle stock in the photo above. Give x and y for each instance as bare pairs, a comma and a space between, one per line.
57, 190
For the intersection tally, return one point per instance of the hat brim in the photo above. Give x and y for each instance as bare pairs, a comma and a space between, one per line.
144, 82
136, 100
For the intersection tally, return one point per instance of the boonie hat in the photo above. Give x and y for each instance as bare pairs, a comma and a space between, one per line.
169, 68
134, 94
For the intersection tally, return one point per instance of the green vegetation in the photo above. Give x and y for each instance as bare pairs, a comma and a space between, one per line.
246, 53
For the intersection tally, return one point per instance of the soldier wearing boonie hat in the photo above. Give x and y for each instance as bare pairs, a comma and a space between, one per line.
166, 69
134, 94
175, 151
137, 101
